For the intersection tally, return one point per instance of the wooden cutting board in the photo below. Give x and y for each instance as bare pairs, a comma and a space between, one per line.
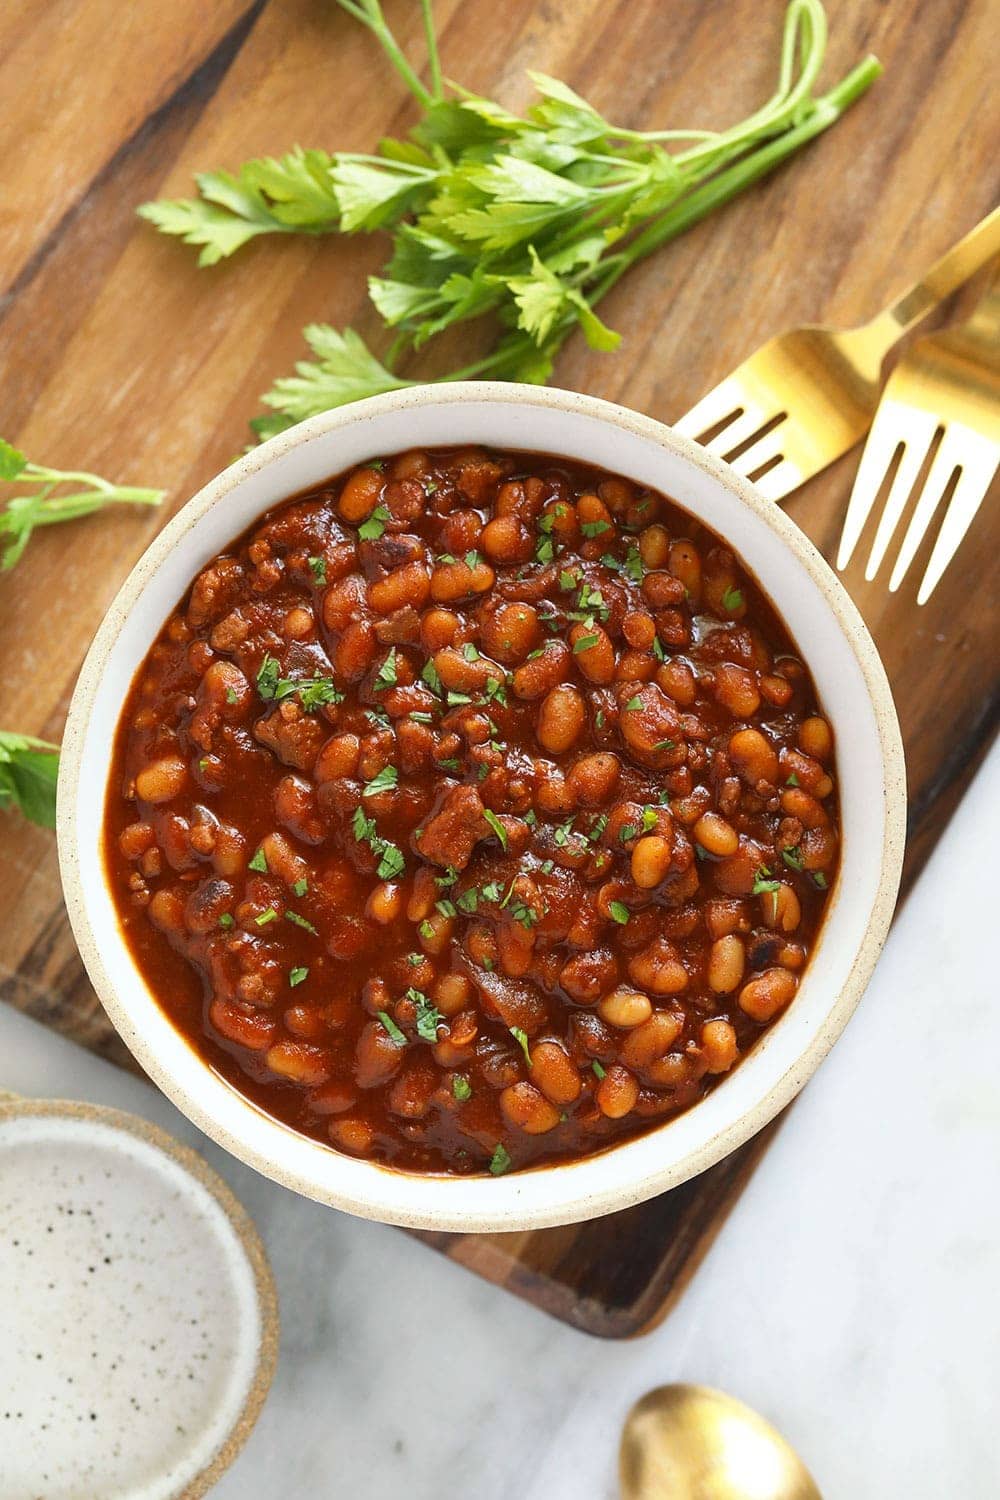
117, 355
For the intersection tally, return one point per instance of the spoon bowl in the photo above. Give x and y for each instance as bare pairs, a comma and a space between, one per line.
688, 1442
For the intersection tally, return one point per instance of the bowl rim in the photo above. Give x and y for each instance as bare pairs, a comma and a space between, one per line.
23, 1107
444, 1209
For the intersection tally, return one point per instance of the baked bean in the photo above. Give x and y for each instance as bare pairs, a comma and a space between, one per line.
506, 540
651, 860
815, 738
377, 1057
554, 1073
726, 962
594, 778
540, 674
593, 652
753, 757
715, 835
654, 547
718, 1046
625, 1008
768, 993
781, 908
299, 1062
658, 969
457, 580
652, 1040
617, 1093
246, 1028
384, 904
685, 564
736, 689
511, 633
163, 780
639, 629
526, 1108
451, 993
560, 719
354, 1135
678, 682
409, 585
361, 493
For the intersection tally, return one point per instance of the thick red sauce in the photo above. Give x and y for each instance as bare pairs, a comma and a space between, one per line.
473, 810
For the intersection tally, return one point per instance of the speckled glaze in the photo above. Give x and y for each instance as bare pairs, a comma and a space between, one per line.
831, 635
138, 1322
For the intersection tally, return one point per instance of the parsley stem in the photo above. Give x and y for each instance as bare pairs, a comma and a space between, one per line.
369, 13
433, 58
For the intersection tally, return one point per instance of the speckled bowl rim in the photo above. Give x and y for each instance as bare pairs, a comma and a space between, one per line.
370, 1189
15, 1106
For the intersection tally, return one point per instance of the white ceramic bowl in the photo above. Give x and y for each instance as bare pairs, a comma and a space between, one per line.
834, 642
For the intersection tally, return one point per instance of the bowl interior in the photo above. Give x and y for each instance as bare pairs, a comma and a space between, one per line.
832, 639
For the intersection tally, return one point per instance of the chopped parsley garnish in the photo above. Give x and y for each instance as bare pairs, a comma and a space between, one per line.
317, 692
374, 527
317, 567
599, 719
633, 703
633, 563
562, 833
299, 921
446, 908
382, 781
457, 700
296, 976
500, 1161
496, 826
658, 650
619, 911
268, 674
266, 916
763, 883
521, 1038
397, 1037
227, 920
599, 1071
594, 528
468, 901
792, 780
461, 1088
232, 696
430, 676
492, 891
426, 929
597, 831
792, 858
567, 580
545, 551
664, 745
419, 717
470, 652
472, 560
451, 764
386, 676
414, 960
585, 643
447, 877
301, 887
732, 599
627, 831
391, 861
818, 879
496, 691
429, 1018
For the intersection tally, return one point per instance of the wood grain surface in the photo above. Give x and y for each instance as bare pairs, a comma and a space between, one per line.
117, 355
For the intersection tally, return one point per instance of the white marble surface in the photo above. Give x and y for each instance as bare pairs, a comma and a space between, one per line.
852, 1296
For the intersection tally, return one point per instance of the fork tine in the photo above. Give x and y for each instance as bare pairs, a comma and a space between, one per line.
738, 431
721, 401
779, 481
759, 453
976, 458
965, 502
875, 460
919, 436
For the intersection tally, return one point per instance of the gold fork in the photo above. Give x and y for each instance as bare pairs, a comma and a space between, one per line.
945, 390
814, 390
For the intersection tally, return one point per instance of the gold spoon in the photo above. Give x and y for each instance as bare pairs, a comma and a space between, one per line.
686, 1442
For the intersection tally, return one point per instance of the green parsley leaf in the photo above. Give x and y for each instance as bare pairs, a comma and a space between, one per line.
585, 643
545, 551
468, 901
429, 675
521, 1038
227, 920
299, 921
426, 929
317, 567
461, 1088
29, 769
496, 826
397, 1037
296, 976
429, 1018
599, 1071
763, 884
792, 858
382, 781
732, 599
386, 675
259, 861
301, 887
594, 528
792, 780
472, 560
265, 917
374, 527
500, 1161
818, 879
268, 675
391, 862
619, 911
633, 704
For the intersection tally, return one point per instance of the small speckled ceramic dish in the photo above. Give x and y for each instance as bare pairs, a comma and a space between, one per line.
138, 1320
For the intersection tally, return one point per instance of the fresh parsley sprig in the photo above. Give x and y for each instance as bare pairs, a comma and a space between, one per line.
42, 506
530, 219
28, 772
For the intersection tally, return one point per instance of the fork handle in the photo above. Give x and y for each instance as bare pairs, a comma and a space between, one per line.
944, 277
